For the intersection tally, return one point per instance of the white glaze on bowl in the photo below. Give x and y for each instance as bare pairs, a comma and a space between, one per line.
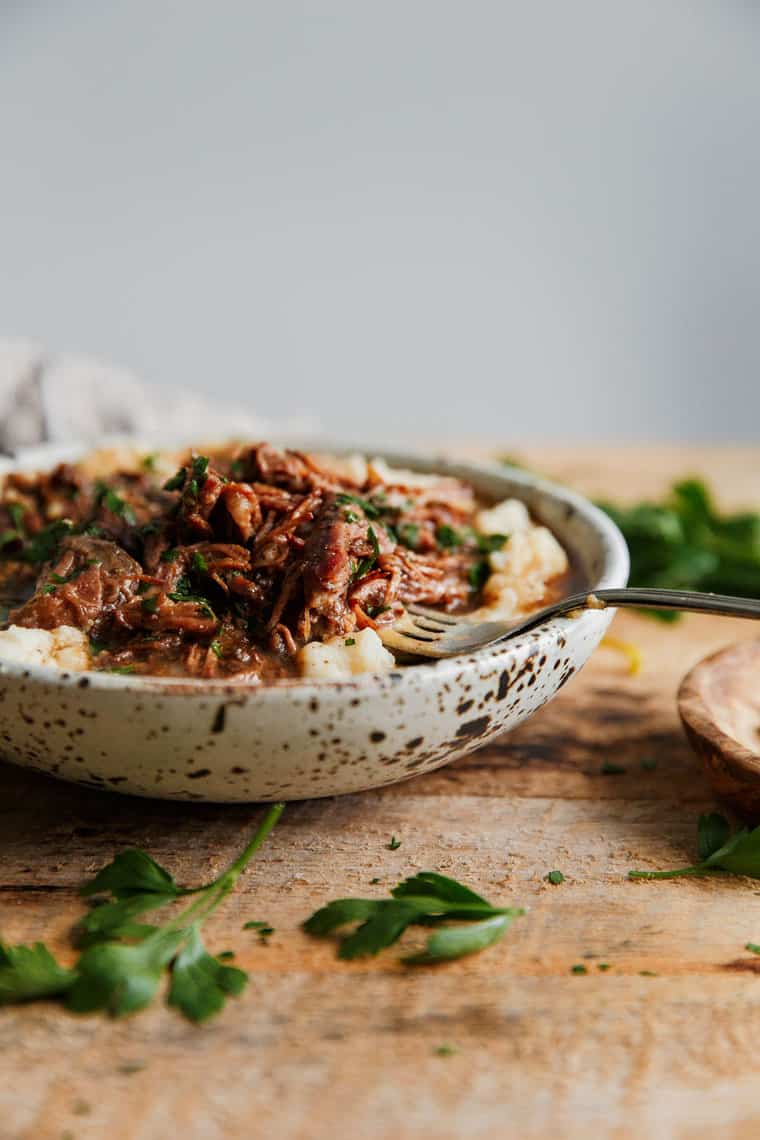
212, 740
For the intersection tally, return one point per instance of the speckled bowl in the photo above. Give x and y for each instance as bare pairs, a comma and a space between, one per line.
212, 740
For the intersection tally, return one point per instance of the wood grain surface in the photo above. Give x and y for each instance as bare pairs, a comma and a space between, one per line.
660, 1045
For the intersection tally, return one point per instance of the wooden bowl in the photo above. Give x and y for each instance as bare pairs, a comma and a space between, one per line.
719, 703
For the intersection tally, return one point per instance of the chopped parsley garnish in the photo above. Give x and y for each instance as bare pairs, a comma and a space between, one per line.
199, 467
349, 642
150, 605
449, 537
478, 574
216, 648
263, 929
121, 669
183, 592
44, 544
752, 947
718, 851
105, 496
177, 481
148, 462
370, 510
426, 899
408, 534
394, 844
237, 467
122, 961
365, 565
351, 516
199, 562
579, 969
16, 534
487, 543
170, 555
610, 768
445, 1050
555, 877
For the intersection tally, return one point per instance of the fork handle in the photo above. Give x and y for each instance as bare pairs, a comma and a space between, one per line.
653, 598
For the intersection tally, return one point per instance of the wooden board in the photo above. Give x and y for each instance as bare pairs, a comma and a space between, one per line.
663, 1044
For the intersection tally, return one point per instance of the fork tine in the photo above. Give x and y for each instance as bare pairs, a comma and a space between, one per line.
407, 625
433, 615
415, 646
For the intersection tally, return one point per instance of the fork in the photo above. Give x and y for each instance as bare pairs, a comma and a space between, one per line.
431, 633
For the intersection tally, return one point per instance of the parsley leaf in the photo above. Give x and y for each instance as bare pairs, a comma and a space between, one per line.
712, 832
424, 899
555, 878
29, 972
121, 978
455, 941
737, 854
132, 872
684, 542
394, 844
122, 962
200, 983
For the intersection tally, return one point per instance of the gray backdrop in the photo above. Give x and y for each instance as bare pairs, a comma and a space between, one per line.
409, 218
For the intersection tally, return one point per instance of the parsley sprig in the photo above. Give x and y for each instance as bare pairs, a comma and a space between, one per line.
684, 542
426, 899
718, 851
123, 961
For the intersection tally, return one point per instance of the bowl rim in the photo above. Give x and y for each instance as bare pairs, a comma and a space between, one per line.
615, 568
696, 712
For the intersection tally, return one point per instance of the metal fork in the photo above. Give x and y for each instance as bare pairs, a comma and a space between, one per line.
430, 633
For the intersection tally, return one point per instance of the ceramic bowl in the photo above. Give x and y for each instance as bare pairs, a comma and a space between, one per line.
719, 703
217, 741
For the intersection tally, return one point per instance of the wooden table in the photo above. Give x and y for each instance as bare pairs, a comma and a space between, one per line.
663, 1044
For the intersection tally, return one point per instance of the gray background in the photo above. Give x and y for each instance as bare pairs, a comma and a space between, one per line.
410, 218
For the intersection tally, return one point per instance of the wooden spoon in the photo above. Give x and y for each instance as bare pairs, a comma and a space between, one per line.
719, 703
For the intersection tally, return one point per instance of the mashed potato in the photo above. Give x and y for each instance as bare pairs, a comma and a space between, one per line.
64, 648
342, 657
521, 570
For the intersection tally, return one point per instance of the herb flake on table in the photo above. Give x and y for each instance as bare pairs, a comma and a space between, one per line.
610, 768
718, 852
427, 899
555, 878
394, 844
122, 961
